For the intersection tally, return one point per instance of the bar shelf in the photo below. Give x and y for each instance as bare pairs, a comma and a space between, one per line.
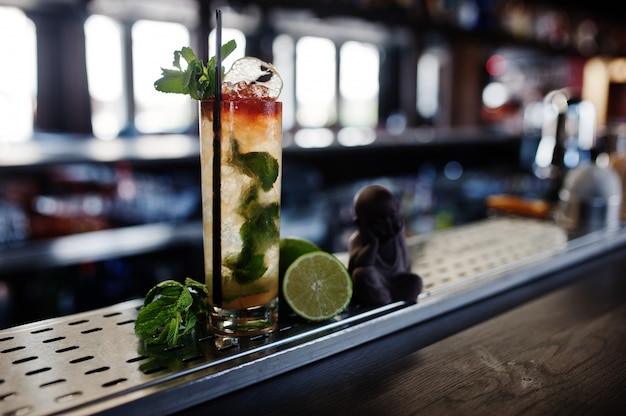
98, 245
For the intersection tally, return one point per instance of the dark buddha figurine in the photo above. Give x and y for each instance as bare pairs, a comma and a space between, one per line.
379, 264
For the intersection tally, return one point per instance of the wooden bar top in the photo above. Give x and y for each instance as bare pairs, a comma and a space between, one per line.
554, 346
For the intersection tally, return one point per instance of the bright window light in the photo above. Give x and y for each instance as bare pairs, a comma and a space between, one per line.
495, 95
428, 67
153, 47
283, 50
314, 137
358, 84
315, 82
356, 136
105, 74
18, 81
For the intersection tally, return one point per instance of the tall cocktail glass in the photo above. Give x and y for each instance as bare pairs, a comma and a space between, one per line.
243, 291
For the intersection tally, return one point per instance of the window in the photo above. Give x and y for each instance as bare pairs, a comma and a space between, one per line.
330, 77
283, 50
153, 44
428, 67
104, 43
18, 82
315, 82
358, 84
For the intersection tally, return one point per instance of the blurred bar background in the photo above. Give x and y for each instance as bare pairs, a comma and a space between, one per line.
441, 101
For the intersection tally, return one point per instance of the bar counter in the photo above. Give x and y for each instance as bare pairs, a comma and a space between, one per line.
516, 317
556, 346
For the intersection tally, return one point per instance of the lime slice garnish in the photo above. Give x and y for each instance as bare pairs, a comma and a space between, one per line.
317, 286
251, 77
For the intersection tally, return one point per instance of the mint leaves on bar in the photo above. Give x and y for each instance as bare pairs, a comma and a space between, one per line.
170, 310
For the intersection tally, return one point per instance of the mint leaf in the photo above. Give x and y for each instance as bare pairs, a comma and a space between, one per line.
170, 311
170, 332
264, 166
227, 49
184, 301
195, 79
261, 166
167, 288
187, 54
261, 229
152, 317
170, 82
190, 322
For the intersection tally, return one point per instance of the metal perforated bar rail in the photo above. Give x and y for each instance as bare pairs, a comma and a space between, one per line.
93, 363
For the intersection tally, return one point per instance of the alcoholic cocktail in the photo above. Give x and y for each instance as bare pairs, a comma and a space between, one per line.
243, 292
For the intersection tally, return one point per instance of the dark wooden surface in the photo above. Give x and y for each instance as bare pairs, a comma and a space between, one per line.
553, 347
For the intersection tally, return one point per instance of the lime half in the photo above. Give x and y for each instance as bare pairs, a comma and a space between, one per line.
290, 249
317, 286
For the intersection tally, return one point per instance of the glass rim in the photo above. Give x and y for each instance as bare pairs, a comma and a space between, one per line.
244, 100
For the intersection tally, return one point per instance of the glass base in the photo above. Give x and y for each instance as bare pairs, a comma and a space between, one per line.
244, 322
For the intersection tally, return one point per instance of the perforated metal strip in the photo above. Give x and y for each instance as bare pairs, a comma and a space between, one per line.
92, 362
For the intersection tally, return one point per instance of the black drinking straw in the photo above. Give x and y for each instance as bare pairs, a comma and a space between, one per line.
217, 134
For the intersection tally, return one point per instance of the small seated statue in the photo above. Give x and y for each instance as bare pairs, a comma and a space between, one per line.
379, 262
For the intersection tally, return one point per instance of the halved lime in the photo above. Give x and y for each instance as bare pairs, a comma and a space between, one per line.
290, 249
317, 286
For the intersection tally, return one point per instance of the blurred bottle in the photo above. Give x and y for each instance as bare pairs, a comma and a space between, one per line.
567, 138
590, 195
